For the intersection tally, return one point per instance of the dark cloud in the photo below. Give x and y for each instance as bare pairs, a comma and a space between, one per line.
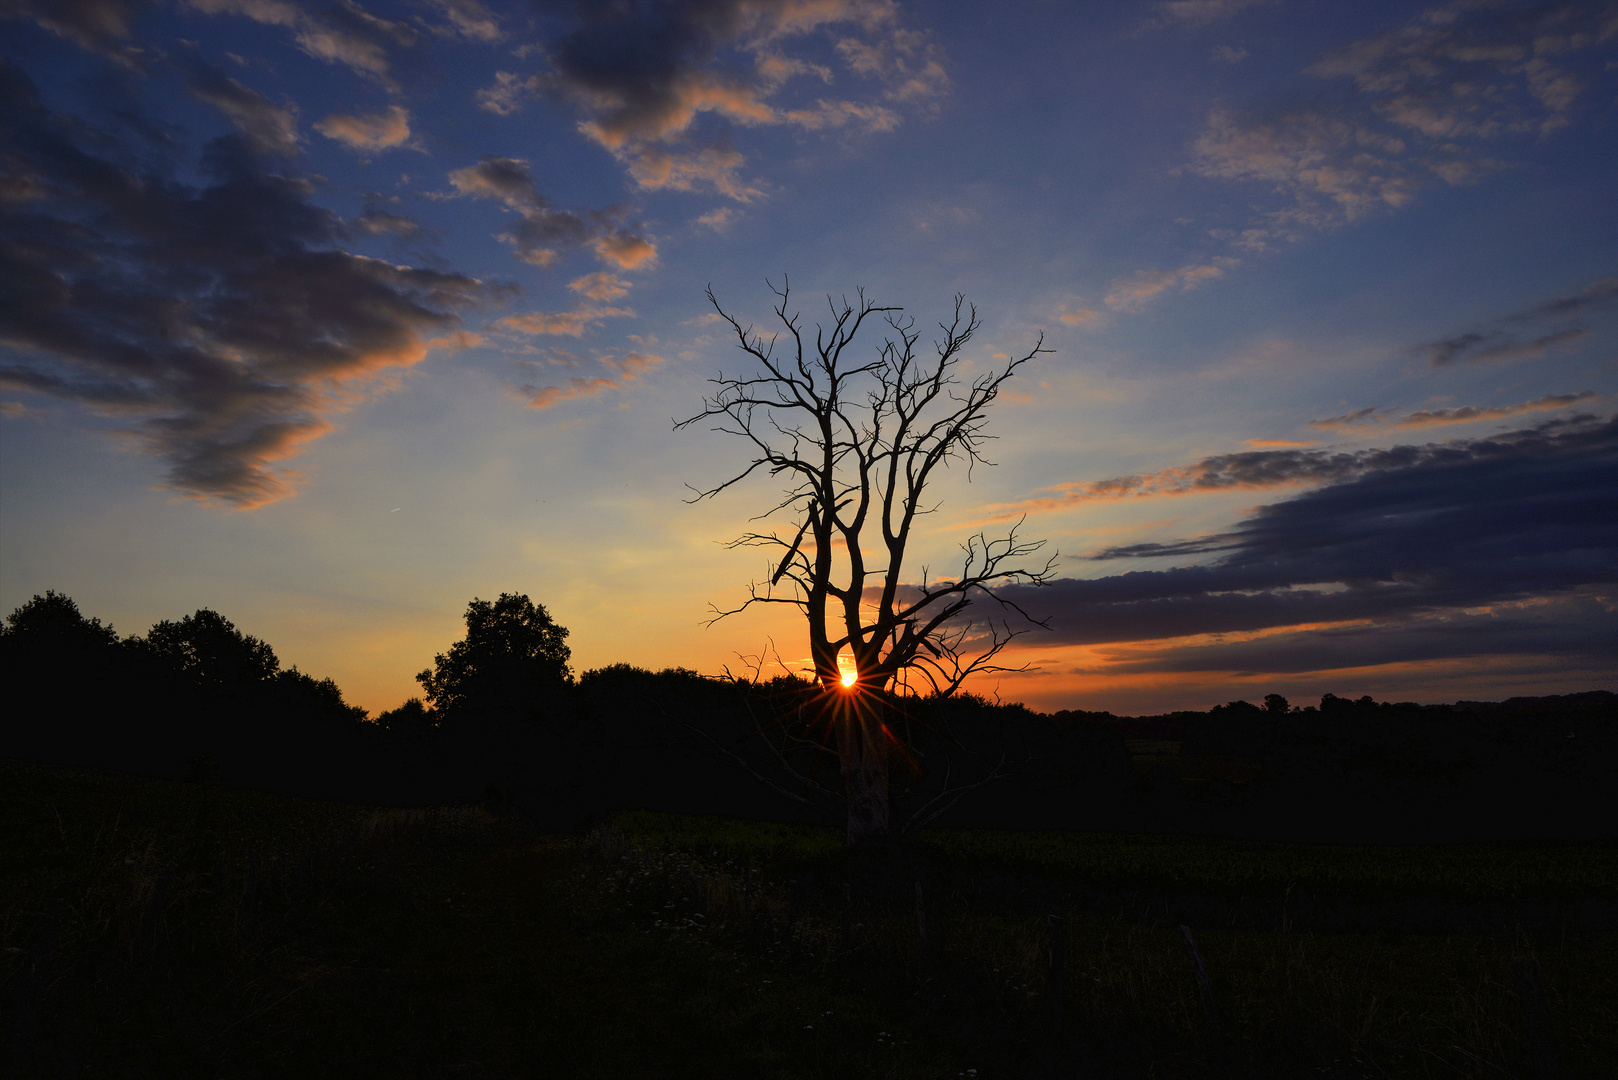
220, 320
1525, 335
1424, 532
1573, 632
543, 232
643, 77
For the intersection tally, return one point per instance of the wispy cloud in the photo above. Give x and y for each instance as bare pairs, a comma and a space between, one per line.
718, 220
620, 373
1434, 100
643, 78
1199, 13
270, 128
1373, 420
99, 26
470, 19
600, 286
341, 33
1134, 293
1528, 334
379, 221
570, 323
1078, 315
545, 231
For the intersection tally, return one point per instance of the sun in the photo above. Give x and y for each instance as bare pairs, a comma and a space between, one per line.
849, 677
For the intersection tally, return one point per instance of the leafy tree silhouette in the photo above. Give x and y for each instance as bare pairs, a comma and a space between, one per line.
208, 649
412, 719
511, 666
55, 619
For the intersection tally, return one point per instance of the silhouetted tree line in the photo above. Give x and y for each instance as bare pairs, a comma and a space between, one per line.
1363, 769
502, 718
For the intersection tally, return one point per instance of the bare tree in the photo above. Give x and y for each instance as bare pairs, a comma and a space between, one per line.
856, 441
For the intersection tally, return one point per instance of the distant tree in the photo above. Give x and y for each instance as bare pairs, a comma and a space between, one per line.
208, 650
56, 619
857, 439
412, 718
1275, 703
512, 664
59, 664
312, 698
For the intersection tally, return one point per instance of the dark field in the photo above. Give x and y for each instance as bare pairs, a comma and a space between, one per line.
166, 929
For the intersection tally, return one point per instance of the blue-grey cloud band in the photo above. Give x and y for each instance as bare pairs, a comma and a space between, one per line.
1528, 516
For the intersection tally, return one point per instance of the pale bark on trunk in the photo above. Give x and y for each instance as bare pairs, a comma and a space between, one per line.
863, 754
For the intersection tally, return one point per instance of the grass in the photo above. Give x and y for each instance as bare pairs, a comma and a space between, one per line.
150, 928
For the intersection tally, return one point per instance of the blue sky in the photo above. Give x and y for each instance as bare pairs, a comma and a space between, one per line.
332, 316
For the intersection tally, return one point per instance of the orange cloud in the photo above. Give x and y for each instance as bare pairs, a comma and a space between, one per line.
1134, 293
600, 286
622, 372
626, 250
377, 131
572, 323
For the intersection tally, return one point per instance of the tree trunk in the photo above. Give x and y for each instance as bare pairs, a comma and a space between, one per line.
863, 754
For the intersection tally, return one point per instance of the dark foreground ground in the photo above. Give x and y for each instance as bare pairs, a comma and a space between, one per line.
163, 929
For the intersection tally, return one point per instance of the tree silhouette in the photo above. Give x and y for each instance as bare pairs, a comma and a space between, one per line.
55, 618
207, 649
510, 666
857, 442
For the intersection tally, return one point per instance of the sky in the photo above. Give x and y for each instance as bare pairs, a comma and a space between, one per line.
331, 316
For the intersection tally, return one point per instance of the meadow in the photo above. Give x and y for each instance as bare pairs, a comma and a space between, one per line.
164, 928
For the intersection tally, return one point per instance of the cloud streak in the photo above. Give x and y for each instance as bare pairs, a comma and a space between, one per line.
620, 373
1134, 293
1528, 334
1368, 421
570, 323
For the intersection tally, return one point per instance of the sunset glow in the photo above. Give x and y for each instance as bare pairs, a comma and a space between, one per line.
332, 318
